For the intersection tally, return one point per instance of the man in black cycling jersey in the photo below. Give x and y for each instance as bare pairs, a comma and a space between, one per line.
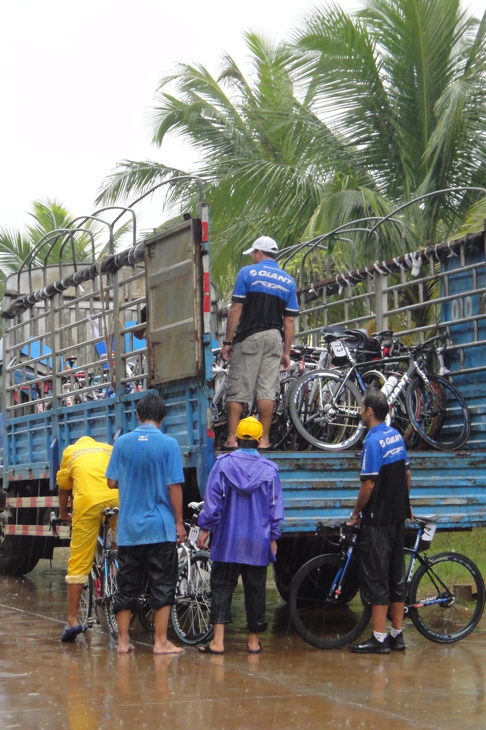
381, 510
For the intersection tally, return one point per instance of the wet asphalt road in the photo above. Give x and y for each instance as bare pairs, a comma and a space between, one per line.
87, 686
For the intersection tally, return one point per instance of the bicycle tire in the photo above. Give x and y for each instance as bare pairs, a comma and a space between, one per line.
442, 419
109, 591
282, 431
145, 613
190, 614
454, 574
325, 410
323, 621
86, 604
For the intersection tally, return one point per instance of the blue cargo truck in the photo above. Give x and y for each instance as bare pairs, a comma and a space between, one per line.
84, 339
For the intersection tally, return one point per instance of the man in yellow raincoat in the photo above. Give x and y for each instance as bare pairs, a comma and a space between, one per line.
82, 470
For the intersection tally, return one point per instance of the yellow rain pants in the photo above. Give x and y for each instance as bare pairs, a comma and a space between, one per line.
83, 469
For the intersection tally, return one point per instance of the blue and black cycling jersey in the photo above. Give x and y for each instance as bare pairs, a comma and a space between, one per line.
384, 461
268, 294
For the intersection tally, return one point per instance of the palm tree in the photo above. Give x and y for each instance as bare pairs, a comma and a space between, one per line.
49, 216
360, 113
405, 83
267, 159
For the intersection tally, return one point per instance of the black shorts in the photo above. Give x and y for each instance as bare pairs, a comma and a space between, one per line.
382, 564
137, 564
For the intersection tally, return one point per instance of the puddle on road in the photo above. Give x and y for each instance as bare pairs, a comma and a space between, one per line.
86, 686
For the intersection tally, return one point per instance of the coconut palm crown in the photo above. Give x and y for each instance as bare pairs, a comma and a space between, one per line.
356, 114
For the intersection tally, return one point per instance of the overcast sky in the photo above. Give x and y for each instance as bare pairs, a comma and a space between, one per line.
77, 81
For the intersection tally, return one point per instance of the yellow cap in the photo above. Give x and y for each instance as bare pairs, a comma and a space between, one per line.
249, 429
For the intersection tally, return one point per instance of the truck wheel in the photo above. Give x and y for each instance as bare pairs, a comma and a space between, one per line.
18, 555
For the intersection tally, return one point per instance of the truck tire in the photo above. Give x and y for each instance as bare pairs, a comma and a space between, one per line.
18, 555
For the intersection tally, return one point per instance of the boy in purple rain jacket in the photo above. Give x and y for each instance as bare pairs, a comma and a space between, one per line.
243, 507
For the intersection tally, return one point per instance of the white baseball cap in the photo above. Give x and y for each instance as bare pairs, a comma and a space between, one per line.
264, 243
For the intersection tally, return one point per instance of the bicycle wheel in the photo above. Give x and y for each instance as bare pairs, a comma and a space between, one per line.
441, 417
325, 410
86, 604
327, 620
145, 613
190, 613
457, 581
109, 591
282, 431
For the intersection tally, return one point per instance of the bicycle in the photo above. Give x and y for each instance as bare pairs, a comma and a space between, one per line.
190, 614
282, 431
100, 588
445, 593
325, 404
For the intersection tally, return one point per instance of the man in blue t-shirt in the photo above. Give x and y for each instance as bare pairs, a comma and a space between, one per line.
381, 510
146, 468
259, 333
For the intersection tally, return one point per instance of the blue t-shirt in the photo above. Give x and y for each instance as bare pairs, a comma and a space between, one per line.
268, 294
384, 461
144, 463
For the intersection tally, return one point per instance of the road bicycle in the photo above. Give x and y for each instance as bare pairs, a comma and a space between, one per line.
325, 404
99, 590
190, 615
283, 434
445, 593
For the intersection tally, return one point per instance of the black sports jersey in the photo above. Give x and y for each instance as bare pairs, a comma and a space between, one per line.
384, 460
268, 294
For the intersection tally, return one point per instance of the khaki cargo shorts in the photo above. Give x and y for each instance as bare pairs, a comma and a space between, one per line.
254, 368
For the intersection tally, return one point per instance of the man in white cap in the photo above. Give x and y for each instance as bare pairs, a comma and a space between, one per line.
259, 333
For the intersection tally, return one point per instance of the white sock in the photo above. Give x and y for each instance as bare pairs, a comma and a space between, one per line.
379, 637
395, 632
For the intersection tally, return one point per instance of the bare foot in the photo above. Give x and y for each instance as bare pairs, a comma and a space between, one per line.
125, 649
167, 647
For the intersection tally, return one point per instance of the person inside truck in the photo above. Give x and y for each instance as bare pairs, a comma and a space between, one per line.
82, 471
381, 509
243, 506
259, 333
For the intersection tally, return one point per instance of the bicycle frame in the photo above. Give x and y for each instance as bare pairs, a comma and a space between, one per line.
438, 584
336, 588
100, 568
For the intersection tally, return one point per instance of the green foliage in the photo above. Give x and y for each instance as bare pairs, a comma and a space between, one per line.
353, 116
49, 216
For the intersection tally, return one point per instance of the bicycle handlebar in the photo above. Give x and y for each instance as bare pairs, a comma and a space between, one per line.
55, 521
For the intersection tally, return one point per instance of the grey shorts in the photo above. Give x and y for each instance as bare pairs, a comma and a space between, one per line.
254, 367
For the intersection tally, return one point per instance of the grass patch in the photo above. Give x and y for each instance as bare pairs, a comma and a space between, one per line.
471, 544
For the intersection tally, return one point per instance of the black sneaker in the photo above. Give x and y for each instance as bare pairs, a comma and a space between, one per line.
397, 643
372, 646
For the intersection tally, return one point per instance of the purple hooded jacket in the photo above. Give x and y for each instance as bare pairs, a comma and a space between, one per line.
243, 506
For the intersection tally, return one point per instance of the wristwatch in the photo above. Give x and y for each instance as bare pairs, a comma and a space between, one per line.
225, 342
353, 517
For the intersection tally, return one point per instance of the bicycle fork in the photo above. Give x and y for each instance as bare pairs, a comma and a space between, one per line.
336, 588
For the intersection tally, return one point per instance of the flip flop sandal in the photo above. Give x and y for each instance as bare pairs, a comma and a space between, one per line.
70, 632
206, 649
255, 651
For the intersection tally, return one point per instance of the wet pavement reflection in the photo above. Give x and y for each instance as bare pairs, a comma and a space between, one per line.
87, 685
